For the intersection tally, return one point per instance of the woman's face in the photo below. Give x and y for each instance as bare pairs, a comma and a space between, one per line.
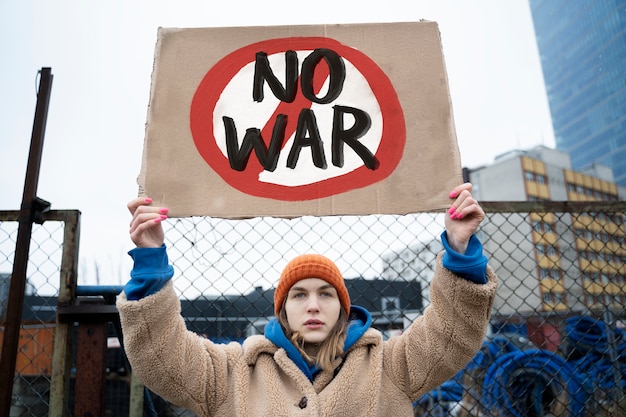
312, 307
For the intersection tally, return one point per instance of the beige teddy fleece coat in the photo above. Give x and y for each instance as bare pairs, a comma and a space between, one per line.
376, 378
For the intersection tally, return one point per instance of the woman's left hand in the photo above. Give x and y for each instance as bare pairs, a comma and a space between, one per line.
462, 218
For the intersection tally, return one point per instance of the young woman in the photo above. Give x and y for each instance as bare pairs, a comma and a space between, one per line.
319, 357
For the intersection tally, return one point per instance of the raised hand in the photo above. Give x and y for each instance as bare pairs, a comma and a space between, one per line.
146, 230
463, 217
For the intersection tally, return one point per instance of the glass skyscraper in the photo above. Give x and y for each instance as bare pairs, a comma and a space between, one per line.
582, 45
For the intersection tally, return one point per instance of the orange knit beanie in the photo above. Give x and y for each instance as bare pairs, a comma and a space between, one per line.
311, 266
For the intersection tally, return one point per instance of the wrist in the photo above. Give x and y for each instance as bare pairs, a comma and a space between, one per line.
457, 245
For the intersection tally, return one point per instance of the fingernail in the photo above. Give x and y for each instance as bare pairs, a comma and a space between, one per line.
453, 194
459, 216
164, 210
147, 200
451, 209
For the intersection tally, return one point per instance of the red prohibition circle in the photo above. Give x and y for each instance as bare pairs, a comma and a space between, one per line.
391, 145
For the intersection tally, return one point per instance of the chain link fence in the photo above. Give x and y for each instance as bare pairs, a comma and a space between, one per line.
556, 345
33, 367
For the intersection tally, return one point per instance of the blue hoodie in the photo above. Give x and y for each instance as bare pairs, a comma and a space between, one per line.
360, 320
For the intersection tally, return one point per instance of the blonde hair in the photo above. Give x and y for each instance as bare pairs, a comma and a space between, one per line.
330, 349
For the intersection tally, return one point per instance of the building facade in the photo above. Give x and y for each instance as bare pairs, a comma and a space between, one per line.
415, 263
564, 262
582, 47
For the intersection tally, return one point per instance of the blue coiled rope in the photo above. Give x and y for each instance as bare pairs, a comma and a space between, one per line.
533, 382
585, 335
518, 382
597, 353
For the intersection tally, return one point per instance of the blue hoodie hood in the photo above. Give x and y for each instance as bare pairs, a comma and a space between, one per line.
360, 320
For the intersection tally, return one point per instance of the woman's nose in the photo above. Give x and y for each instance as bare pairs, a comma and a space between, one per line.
313, 304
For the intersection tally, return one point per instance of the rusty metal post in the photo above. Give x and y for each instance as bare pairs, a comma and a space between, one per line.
63, 336
90, 367
30, 211
92, 315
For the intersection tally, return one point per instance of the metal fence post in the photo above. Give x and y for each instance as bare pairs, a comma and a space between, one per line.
31, 210
63, 337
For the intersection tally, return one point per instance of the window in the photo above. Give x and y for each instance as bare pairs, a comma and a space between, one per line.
390, 303
534, 177
558, 297
553, 298
546, 273
529, 176
545, 249
541, 226
548, 298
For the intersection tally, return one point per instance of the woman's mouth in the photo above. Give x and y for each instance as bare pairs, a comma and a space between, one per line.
313, 324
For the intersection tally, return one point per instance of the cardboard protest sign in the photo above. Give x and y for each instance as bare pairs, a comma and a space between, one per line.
287, 121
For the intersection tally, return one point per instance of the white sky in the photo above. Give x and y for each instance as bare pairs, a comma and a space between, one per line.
101, 55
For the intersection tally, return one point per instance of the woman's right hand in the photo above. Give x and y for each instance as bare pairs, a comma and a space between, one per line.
146, 230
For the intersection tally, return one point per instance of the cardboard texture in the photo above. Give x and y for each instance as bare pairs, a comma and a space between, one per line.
367, 125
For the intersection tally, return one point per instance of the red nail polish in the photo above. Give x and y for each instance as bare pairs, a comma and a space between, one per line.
147, 200
164, 210
453, 194
451, 209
